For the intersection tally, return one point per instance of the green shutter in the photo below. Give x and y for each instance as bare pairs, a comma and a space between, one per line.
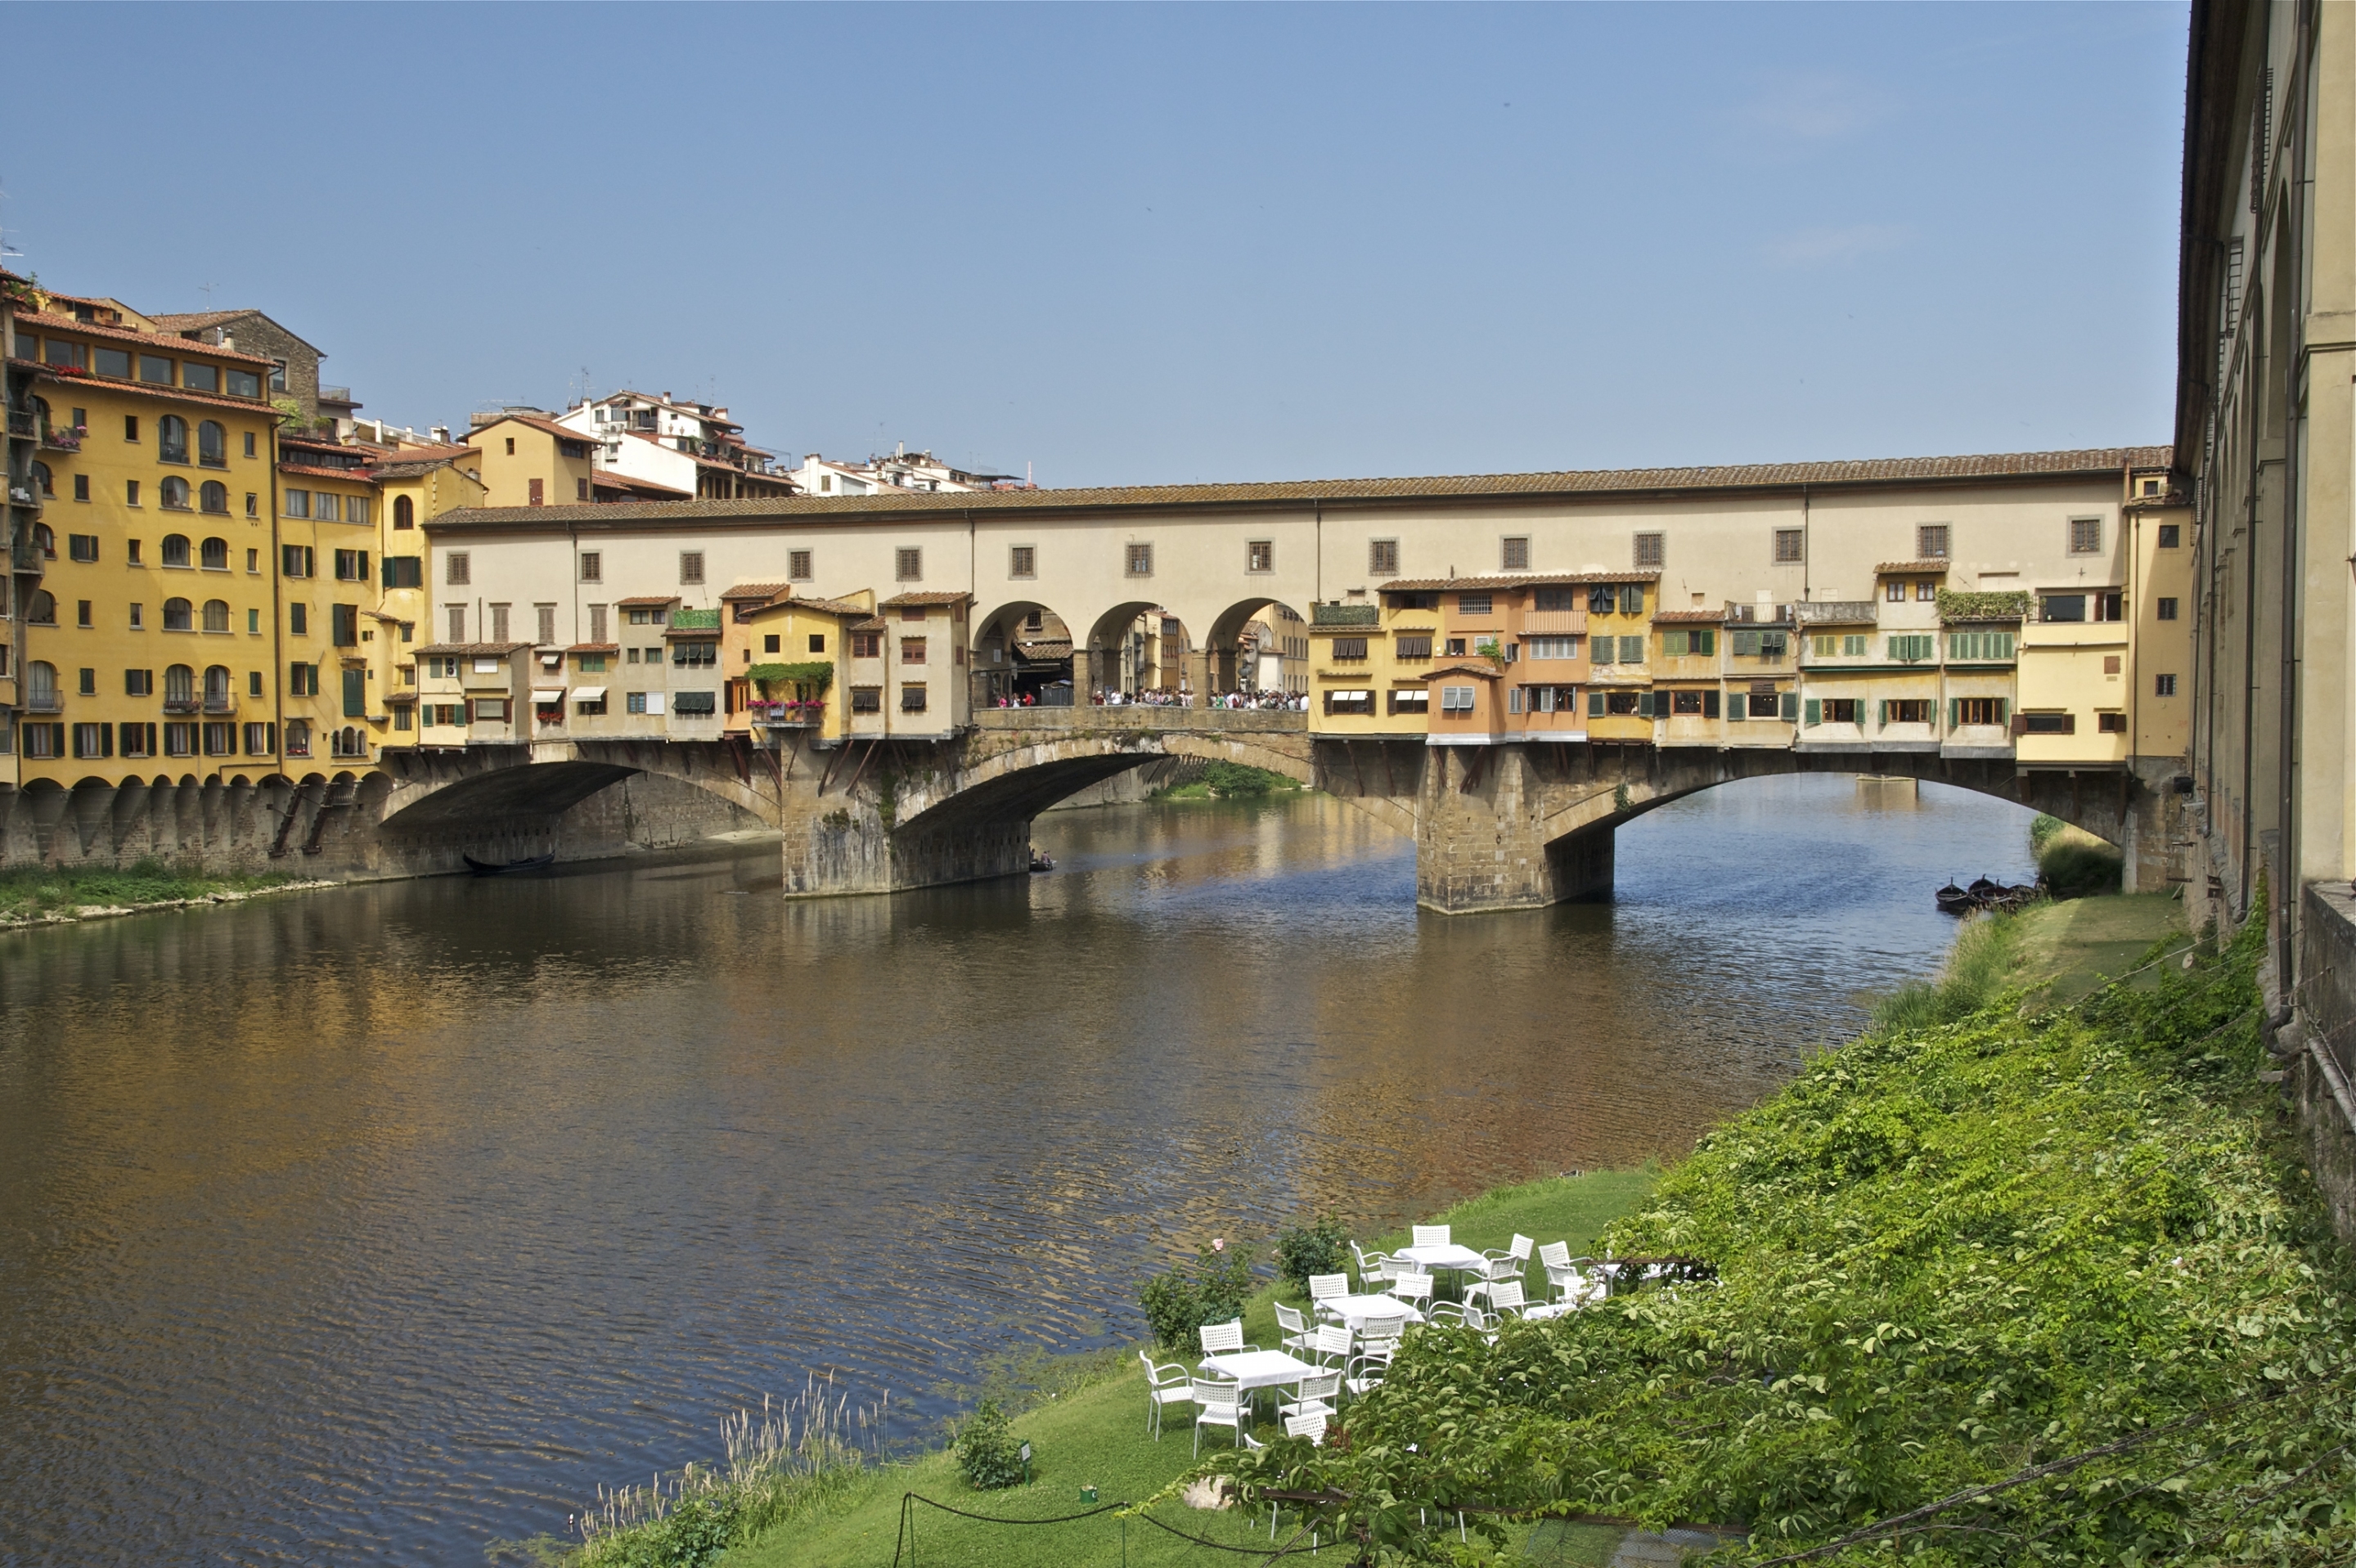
1954, 713
1710, 705
1791, 706
1815, 711
355, 694
1595, 705
1708, 643
2004, 710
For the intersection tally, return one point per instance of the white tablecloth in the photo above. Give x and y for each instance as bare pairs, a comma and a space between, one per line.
1354, 1311
1448, 1256
1259, 1369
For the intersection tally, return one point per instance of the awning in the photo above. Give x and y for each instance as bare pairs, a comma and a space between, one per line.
548, 694
1351, 695
588, 694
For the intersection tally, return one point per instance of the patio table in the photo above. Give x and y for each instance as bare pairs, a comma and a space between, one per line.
1259, 1369
1354, 1310
1450, 1256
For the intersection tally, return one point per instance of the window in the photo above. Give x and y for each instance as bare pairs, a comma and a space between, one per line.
1602, 599
2165, 609
1632, 650
489, 709
1765, 705
61, 351
81, 486
1687, 702
1760, 644
1607, 651
178, 615
912, 698
171, 439
293, 560
1349, 648
458, 570
212, 444
1789, 546
2111, 723
1913, 649
87, 685
690, 565
580, 489
1976, 711
298, 502
82, 547
139, 739
1835, 710
1975, 646
199, 378
244, 384
1141, 560
214, 554
867, 699
1652, 551
817, 642
797, 565
1927, 590
1473, 604
131, 492
1514, 552
2085, 536
2171, 535
216, 614
1681, 645
2163, 686
253, 622
2065, 607
867, 645
511, 446
217, 697
259, 739
912, 650
344, 625
1418, 646
1456, 700
2109, 606
173, 494
1557, 648
44, 739
404, 512
93, 740
1382, 558
543, 615
81, 613
2048, 723
407, 571
212, 497
298, 737
42, 483
301, 679
691, 653
1259, 555
1931, 542
593, 664
138, 617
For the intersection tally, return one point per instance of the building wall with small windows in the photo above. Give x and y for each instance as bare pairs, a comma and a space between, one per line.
413, 487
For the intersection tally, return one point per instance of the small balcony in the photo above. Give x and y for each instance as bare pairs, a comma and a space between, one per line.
1837, 613
220, 707
64, 438
787, 715
45, 702
21, 423
27, 559
182, 705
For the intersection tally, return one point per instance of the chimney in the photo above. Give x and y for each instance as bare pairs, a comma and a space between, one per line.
440, 434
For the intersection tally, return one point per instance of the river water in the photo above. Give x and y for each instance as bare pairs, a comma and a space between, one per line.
380, 1222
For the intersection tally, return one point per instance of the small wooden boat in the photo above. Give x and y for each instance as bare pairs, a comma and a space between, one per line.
1040, 862
1953, 899
530, 863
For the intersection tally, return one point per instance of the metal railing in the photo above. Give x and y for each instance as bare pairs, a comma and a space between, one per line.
219, 706
21, 422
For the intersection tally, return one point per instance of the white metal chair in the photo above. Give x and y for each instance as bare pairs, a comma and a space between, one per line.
1497, 1267
1465, 1314
1163, 1385
1412, 1287
1293, 1331
1373, 1267
1223, 1338
1316, 1396
1217, 1404
1324, 1287
1366, 1371
1332, 1346
1506, 1296
1431, 1235
1562, 1275
1309, 1426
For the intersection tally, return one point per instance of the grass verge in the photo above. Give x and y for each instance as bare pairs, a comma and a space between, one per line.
33, 892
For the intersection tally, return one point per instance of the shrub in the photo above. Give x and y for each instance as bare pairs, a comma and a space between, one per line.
1234, 779
2043, 828
1320, 1247
987, 1453
2076, 864
1179, 1301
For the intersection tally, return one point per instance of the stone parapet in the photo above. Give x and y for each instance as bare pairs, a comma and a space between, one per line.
1130, 719
2317, 1075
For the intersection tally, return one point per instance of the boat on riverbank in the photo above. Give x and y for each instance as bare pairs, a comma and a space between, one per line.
529, 863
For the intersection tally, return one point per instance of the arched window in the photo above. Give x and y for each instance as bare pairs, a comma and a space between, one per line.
212, 444
216, 555
42, 484
172, 438
176, 550
178, 615
41, 610
175, 493
217, 686
212, 495
41, 685
216, 614
179, 685
404, 512
298, 737
47, 537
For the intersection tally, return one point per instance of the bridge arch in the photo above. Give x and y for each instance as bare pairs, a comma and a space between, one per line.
1125, 657
1225, 651
1023, 649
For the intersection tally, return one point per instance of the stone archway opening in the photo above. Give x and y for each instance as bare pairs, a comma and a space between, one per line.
1142, 652
1022, 658
1258, 648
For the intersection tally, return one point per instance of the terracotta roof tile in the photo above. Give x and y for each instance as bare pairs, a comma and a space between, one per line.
357, 475
1921, 568
1688, 617
872, 624
594, 648
1517, 580
927, 597
756, 591
141, 389
647, 600
474, 650
824, 606
548, 427
1465, 667
63, 325
1536, 487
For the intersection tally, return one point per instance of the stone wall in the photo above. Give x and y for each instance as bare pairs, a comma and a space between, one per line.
2316, 1046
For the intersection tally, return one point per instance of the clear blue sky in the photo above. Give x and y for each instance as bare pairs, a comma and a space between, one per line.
1138, 244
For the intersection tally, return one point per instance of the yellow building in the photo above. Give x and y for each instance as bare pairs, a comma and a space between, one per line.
413, 485
150, 647
524, 460
787, 656
2159, 707
1620, 700
332, 707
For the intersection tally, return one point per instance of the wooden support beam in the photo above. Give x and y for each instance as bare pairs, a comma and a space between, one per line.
833, 758
861, 774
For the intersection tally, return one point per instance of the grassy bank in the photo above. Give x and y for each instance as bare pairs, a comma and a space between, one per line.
1230, 781
41, 892
1085, 1418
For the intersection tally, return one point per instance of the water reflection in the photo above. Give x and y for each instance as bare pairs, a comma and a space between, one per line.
377, 1223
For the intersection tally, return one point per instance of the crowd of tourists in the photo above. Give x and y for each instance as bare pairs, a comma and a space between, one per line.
1260, 701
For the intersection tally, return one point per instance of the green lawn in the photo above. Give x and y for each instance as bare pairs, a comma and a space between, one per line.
2075, 944
30, 891
1095, 1435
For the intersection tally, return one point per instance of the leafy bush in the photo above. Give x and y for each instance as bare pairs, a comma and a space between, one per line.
1234, 779
692, 1535
988, 1454
2041, 829
2076, 865
2002, 1291
1213, 1291
1320, 1247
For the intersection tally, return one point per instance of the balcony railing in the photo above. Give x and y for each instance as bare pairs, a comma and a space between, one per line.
21, 422
28, 559
45, 702
181, 705
219, 705
1836, 611
63, 437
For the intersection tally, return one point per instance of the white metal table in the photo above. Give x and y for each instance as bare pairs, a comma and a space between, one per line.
1450, 1256
1354, 1311
1259, 1369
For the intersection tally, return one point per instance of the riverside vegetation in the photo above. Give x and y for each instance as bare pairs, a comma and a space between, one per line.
2011, 1279
35, 892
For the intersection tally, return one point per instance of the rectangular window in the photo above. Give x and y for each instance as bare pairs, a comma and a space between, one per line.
593, 566
1349, 648
2111, 723
1473, 604
93, 740
2163, 686
1927, 590
221, 739
1931, 542
1684, 702
867, 699
114, 362
327, 507
498, 622
199, 378
82, 547
1979, 710
2165, 609
58, 351
2109, 606
693, 704
633, 702
1021, 560
1652, 552
1624, 704
1514, 552
298, 502
458, 623
1259, 555
700, 655
867, 645
1415, 704
545, 616
1456, 700
403, 571
295, 561
593, 664
2048, 723
1789, 546
690, 565
1139, 558
261, 739
1418, 646
400, 720
244, 384
1911, 649
1979, 646
1632, 650
2065, 607
797, 565
912, 698
2085, 536
1606, 651
1554, 647
1382, 558
912, 650
138, 683
1762, 705
139, 739
489, 709
2171, 535
351, 566
457, 568
81, 613
179, 740
1602, 599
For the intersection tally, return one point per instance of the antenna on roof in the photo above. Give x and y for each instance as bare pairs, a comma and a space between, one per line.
206, 290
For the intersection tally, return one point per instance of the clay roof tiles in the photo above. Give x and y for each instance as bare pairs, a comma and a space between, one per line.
924, 598
756, 591
45, 325
474, 650
647, 600
1517, 580
1688, 617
